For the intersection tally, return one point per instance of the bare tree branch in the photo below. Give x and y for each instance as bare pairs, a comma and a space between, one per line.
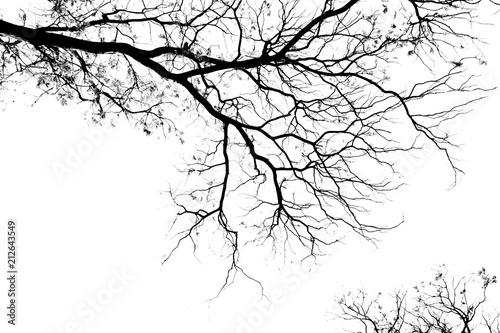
300, 115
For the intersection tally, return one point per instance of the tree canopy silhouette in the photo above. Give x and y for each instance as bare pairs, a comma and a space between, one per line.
442, 305
300, 107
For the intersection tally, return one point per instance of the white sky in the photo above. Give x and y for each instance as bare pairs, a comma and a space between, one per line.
108, 215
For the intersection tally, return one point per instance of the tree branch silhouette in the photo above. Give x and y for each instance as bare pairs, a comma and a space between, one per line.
302, 122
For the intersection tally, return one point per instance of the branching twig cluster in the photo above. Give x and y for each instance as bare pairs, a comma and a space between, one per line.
444, 305
301, 122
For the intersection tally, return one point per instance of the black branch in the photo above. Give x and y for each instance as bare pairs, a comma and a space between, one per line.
300, 118
443, 305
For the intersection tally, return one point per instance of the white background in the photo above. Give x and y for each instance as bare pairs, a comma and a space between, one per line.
108, 215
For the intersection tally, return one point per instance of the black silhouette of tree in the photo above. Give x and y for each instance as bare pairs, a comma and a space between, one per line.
298, 106
443, 305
